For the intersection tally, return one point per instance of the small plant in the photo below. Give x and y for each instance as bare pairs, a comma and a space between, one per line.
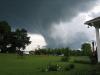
93, 58
66, 68
55, 67
52, 67
69, 67
43, 70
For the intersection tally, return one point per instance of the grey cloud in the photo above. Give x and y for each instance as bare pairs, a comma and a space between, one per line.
94, 15
37, 16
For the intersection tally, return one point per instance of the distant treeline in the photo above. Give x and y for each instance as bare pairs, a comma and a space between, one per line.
57, 51
85, 51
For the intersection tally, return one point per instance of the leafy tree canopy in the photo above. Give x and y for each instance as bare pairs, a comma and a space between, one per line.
12, 41
86, 49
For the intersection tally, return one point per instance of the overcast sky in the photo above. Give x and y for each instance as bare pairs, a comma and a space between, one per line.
59, 22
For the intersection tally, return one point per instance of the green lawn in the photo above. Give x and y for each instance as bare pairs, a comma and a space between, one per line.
12, 64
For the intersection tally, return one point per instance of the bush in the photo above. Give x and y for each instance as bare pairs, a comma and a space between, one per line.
81, 61
66, 68
93, 59
69, 67
56, 67
51, 67
65, 58
44, 70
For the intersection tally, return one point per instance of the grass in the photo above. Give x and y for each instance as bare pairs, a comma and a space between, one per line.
12, 64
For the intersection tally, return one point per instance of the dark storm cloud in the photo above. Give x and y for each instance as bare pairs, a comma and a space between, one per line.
37, 16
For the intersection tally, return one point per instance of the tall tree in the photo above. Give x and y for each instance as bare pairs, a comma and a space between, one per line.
18, 40
12, 41
22, 39
86, 49
5, 29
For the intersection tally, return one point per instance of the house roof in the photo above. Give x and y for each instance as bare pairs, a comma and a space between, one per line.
94, 22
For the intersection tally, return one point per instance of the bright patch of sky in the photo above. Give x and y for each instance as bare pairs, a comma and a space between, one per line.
37, 41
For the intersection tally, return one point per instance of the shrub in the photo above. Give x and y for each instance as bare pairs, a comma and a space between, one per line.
66, 68
51, 67
81, 61
69, 67
93, 59
55, 67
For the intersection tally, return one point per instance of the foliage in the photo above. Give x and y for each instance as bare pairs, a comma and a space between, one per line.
40, 52
55, 51
82, 62
76, 53
69, 67
86, 49
12, 41
66, 52
93, 57
21, 39
59, 52
57, 67
5, 29
52, 67
72, 66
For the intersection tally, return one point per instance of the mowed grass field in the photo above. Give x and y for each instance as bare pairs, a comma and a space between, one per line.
12, 64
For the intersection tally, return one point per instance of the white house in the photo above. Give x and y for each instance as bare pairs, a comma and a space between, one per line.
96, 23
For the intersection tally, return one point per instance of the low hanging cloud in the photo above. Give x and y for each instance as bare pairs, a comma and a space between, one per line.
44, 17
72, 34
